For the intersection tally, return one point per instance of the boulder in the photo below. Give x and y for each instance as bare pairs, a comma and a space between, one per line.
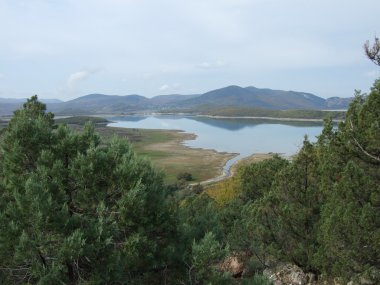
289, 274
234, 263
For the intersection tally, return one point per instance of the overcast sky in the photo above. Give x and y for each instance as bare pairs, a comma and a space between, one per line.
69, 48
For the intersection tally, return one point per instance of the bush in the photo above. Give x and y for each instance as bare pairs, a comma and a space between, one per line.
185, 176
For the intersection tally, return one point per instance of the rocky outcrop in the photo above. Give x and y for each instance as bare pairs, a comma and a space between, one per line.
235, 263
289, 274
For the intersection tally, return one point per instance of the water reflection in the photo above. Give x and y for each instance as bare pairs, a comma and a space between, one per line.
237, 124
224, 123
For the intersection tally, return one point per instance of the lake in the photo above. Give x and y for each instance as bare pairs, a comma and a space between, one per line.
242, 136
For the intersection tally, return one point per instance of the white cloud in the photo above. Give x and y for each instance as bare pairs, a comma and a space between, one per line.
164, 87
76, 77
79, 76
204, 65
209, 65
1, 75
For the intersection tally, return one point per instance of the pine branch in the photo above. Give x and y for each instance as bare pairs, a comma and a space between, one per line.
377, 158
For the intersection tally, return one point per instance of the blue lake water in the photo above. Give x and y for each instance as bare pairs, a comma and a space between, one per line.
241, 136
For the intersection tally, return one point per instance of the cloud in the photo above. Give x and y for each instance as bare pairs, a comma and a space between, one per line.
1, 76
164, 87
79, 76
210, 65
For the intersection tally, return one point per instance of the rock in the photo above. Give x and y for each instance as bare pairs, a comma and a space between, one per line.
338, 281
361, 281
271, 275
310, 278
287, 274
365, 281
233, 265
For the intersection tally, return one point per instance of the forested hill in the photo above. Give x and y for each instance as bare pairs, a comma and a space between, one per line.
8, 105
259, 98
230, 96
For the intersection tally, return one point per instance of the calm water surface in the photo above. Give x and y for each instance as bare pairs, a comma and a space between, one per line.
241, 136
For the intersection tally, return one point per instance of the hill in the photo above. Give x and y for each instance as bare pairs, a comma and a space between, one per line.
8, 105
227, 97
100, 104
237, 96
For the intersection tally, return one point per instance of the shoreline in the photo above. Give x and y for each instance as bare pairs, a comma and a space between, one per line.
187, 136
267, 118
201, 115
253, 158
173, 155
224, 166
238, 117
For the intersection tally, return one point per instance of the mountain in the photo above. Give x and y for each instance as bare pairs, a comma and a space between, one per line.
338, 103
111, 104
230, 96
22, 100
237, 96
9, 105
100, 103
168, 100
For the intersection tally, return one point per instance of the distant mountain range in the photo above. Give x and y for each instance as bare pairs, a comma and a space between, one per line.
230, 96
8, 105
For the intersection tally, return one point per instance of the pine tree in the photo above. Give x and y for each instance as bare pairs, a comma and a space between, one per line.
76, 211
257, 178
350, 225
283, 222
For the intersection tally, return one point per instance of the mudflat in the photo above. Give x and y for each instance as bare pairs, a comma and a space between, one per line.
166, 150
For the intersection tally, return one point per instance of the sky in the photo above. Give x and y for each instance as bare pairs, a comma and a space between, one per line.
69, 48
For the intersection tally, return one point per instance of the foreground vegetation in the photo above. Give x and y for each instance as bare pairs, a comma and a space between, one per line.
320, 211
